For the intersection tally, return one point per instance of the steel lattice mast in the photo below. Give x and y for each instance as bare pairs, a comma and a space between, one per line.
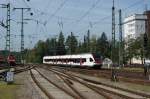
7, 26
22, 31
120, 40
113, 33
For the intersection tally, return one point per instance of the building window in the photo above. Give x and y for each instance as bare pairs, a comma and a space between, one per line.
130, 25
137, 26
130, 30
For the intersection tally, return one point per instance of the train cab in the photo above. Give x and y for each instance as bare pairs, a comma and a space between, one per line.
11, 60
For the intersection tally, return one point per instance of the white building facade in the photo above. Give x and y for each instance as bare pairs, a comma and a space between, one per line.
134, 26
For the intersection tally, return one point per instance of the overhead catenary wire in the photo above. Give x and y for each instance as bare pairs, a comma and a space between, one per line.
88, 11
37, 13
77, 21
91, 8
104, 18
54, 14
64, 19
133, 5
40, 13
138, 2
57, 10
48, 4
109, 16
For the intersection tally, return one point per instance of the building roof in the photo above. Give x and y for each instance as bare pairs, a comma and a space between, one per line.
139, 17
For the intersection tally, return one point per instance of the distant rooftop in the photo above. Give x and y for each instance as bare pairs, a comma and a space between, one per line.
135, 17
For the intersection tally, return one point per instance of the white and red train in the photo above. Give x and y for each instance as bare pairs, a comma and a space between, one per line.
82, 60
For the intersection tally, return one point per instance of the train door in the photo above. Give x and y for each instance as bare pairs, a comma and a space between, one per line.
80, 61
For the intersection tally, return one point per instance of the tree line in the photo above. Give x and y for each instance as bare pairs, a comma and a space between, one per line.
69, 45
90, 44
138, 48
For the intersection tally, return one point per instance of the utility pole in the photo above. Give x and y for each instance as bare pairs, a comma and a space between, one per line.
88, 41
7, 26
71, 43
120, 40
113, 33
22, 31
113, 72
55, 48
145, 44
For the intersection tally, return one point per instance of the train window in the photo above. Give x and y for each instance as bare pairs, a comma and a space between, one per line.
78, 60
47, 60
83, 60
74, 60
63, 60
66, 60
91, 60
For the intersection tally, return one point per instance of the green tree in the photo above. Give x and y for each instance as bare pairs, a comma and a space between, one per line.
61, 46
134, 49
88, 41
103, 45
72, 44
93, 44
39, 51
47, 47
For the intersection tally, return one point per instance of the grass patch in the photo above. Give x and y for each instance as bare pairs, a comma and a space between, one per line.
139, 87
133, 69
7, 91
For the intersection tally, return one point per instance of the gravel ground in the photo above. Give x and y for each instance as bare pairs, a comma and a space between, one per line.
27, 89
130, 86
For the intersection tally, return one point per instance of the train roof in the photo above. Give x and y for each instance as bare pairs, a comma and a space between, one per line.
84, 55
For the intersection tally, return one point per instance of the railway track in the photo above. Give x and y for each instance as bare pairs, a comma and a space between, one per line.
124, 93
58, 83
74, 88
19, 68
23, 69
126, 76
56, 91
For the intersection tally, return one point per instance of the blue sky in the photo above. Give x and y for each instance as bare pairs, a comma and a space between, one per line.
76, 15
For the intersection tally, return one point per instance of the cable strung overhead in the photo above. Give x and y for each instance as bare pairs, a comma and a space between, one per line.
59, 8
109, 16
88, 11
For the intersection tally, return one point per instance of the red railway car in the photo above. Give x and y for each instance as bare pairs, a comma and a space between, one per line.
11, 60
2, 60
